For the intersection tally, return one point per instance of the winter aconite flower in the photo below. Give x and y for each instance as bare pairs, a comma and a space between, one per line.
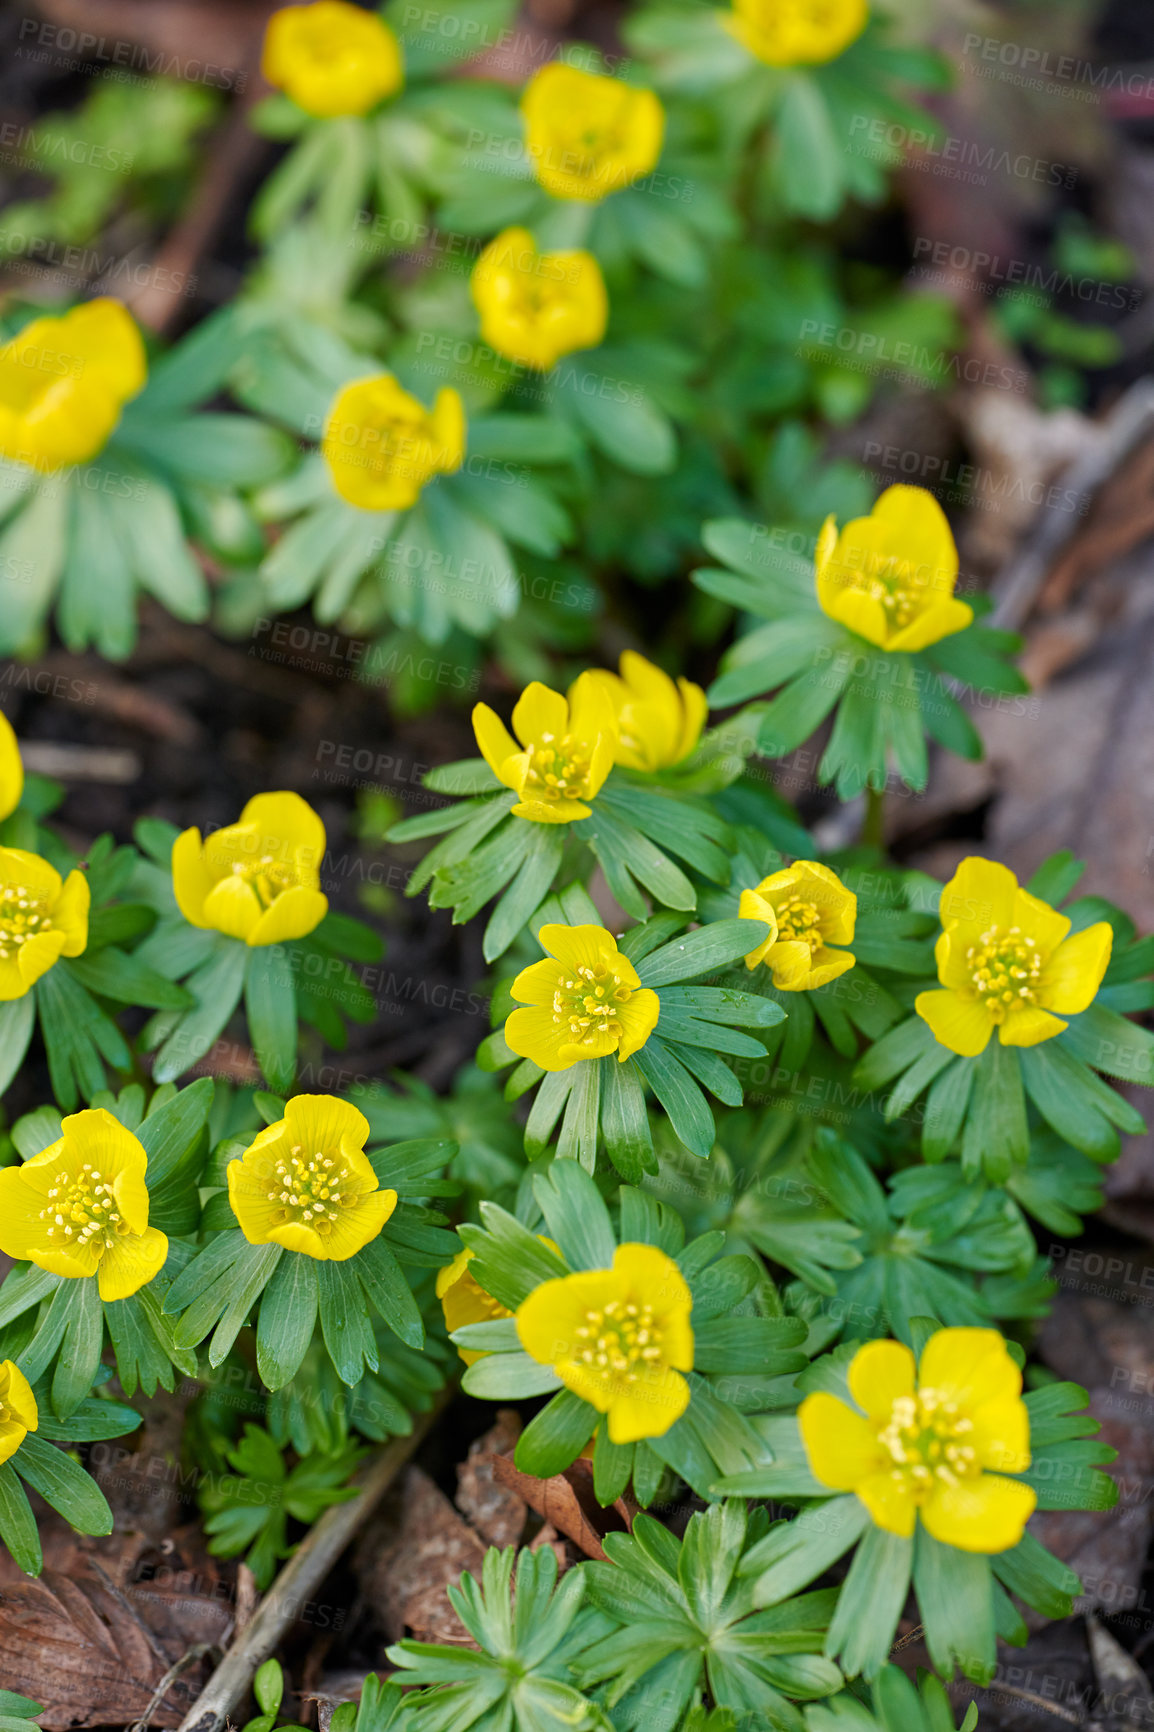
18, 1411
64, 382
938, 1444
890, 576
382, 445
259, 879
331, 58
80, 1207
1005, 962
619, 1338
807, 909
659, 721
798, 32
307, 1184
584, 1001
42, 918
566, 750
11, 768
464, 1300
586, 135
536, 307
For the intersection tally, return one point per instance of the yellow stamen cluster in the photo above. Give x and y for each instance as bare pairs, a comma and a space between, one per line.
588, 1002
924, 1440
84, 1208
622, 1339
1006, 969
558, 770
888, 583
268, 876
22, 916
308, 1188
798, 922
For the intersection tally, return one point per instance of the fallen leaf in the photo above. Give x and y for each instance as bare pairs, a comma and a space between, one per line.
567, 1501
493, 1508
417, 1545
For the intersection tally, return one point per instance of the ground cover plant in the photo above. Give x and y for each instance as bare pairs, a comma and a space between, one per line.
737, 1201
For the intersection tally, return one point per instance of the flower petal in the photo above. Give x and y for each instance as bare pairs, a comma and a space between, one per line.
496, 744
987, 1515
17, 1395
890, 1500
11, 768
287, 828
653, 1404
584, 947
1028, 1025
1073, 974
130, 1264
981, 894
70, 913
190, 879
880, 1373
537, 984
321, 1123
941, 620
969, 1367
295, 913
841, 1447
38, 954
637, 1019
532, 1033
540, 714
357, 1225
962, 1024
548, 1320
754, 906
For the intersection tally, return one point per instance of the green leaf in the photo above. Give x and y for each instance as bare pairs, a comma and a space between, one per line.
509, 1377
344, 1321
555, 1437
576, 1216
795, 1553
954, 1598
870, 1602
216, 985
623, 422
625, 1122
996, 1137
64, 1485
270, 1003
808, 154
18, 1524
17, 1019
705, 951
171, 1131
285, 1326
384, 1283
689, 1113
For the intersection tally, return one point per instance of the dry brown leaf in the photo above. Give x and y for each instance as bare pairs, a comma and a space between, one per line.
567, 1501
494, 1508
414, 1548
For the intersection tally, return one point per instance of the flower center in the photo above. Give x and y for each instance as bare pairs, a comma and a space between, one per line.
889, 582
1005, 969
558, 769
587, 1000
311, 1188
798, 921
22, 916
82, 1208
622, 1340
268, 877
926, 1439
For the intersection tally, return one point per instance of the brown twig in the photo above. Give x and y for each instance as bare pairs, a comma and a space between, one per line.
303, 1573
1066, 1714
198, 1652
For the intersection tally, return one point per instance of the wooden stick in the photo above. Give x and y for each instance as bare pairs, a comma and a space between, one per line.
297, 1582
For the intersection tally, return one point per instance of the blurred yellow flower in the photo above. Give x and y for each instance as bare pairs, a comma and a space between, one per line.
42, 918
566, 750
464, 1300
797, 32
659, 722
586, 135
11, 768
382, 445
259, 879
807, 908
584, 1001
18, 1411
890, 576
1005, 962
80, 1207
64, 382
332, 58
619, 1338
307, 1184
939, 1445
536, 307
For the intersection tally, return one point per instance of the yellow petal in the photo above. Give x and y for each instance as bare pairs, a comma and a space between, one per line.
1028, 1025
532, 1033
586, 947
637, 1018
890, 1500
754, 906
970, 1366
16, 1393
657, 1403
1071, 978
295, 913
986, 1515
231, 907
12, 1436
789, 960
941, 620
37, 955
591, 712
824, 966
981, 894
21, 870
958, 1023
70, 914
1040, 922
652, 1277
130, 1264
11, 769
107, 337
190, 880
537, 984
853, 608
356, 1226
496, 743
322, 1123
548, 1320
550, 811
880, 1373
540, 715
841, 1447
449, 430
287, 828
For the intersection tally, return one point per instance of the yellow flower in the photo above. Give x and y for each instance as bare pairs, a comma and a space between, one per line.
585, 1001
331, 58
18, 1411
465, 1301
566, 751
382, 445
80, 1207
890, 576
930, 1446
1005, 962
658, 722
258, 880
11, 768
42, 918
536, 307
64, 382
797, 32
307, 1184
588, 136
807, 908
619, 1338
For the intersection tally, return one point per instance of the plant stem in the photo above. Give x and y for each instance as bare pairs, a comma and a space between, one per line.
304, 1572
873, 830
